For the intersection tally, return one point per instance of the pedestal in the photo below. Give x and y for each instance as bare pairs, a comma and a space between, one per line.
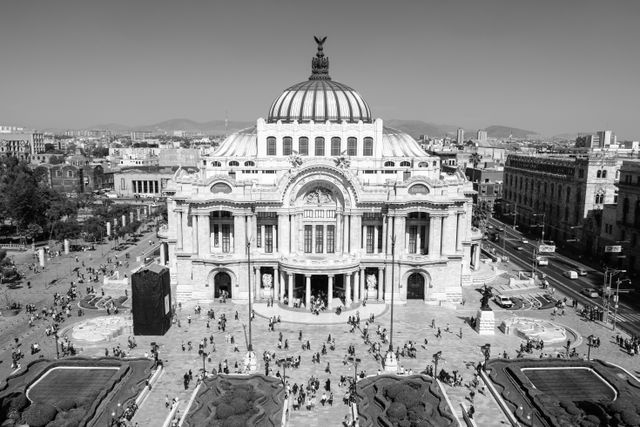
390, 362
250, 361
485, 323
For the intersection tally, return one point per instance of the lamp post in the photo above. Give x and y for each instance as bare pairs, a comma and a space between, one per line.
354, 360
204, 368
390, 361
249, 346
436, 358
55, 335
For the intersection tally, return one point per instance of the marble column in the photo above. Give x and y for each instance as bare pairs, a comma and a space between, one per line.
338, 234
380, 283
376, 237
435, 229
240, 241
460, 231
307, 295
276, 284
205, 233
179, 226
262, 242
356, 286
345, 234
330, 292
356, 238
363, 293
283, 282
449, 235
347, 297
290, 289
399, 227
385, 234
194, 243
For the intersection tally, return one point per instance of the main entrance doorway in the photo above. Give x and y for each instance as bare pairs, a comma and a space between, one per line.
222, 282
415, 286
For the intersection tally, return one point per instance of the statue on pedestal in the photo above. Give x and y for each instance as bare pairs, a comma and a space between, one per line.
267, 280
484, 301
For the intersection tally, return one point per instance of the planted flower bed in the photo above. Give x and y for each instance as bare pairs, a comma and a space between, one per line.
412, 401
95, 302
552, 392
71, 392
237, 401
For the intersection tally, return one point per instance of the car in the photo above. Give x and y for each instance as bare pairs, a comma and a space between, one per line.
542, 260
570, 274
500, 229
590, 292
519, 248
503, 301
525, 241
581, 271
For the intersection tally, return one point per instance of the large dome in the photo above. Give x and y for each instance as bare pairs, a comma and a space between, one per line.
319, 98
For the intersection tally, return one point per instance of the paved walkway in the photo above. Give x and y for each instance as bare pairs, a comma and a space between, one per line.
460, 346
294, 315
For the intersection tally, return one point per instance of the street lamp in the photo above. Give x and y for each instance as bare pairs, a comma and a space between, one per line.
436, 358
354, 360
55, 335
204, 368
390, 361
250, 358
538, 225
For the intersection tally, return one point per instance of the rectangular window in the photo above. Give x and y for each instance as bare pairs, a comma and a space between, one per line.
303, 146
367, 149
319, 238
319, 146
271, 146
335, 146
331, 214
216, 235
379, 242
268, 239
226, 238
319, 214
413, 238
308, 238
352, 146
287, 146
370, 235
123, 184
258, 237
308, 213
331, 237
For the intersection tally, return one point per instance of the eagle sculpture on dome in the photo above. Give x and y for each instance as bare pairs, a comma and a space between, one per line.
320, 64
320, 41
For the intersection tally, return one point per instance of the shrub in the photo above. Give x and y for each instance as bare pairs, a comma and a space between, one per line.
224, 410
235, 421
240, 406
590, 421
66, 404
19, 402
391, 391
39, 414
630, 418
397, 411
409, 397
570, 407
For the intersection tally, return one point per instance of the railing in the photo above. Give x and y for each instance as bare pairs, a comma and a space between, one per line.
13, 246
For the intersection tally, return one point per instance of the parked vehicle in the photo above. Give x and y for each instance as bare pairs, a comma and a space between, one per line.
590, 292
570, 274
503, 301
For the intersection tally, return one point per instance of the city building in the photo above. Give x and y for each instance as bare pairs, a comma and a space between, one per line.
561, 194
141, 182
140, 135
21, 145
482, 136
601, 139
174, 157
320, 199
460, 136
134, 156
621, 221
72, 179
487, 183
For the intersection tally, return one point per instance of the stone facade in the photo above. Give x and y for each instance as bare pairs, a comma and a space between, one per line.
341, 208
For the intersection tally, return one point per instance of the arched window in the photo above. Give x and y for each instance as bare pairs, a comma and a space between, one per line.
287, 146
303, 146
216, 164
319, 148
418, 189
352, 146
423, 165
249, 163
599, 174
435, 163
234, 163
271, 146
335, 146
389, 164
367, 149
604, 173
69, 174
405, 164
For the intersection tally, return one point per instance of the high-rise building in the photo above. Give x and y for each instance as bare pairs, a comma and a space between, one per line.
21, 145
326, 202
460, 136
482, 136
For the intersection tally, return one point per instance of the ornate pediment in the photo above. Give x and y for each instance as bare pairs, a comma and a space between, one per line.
319, 196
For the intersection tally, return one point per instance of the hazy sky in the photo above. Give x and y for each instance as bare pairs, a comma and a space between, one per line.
548, 66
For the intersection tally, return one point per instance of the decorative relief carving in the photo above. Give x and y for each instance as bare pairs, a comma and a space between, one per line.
267, 281
318, 196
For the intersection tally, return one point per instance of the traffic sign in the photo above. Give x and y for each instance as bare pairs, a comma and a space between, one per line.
614, 248
547, 248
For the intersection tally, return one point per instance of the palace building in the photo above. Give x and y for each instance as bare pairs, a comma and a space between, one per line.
320, 199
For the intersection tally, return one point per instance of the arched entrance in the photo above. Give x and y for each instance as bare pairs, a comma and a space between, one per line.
415, 286
221, 282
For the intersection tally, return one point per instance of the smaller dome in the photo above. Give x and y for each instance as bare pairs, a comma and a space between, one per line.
240, 144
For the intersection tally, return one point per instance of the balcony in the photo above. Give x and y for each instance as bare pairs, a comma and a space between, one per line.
325, 264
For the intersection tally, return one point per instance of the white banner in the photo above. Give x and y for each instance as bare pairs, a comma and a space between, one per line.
615, 249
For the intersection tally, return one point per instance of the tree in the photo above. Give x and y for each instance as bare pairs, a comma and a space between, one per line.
480, 215
100, 151
48, 147
475, 158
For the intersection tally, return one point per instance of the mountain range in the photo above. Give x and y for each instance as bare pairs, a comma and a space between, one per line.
415, 128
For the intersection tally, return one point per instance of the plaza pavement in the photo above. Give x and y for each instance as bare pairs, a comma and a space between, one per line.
412, 322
